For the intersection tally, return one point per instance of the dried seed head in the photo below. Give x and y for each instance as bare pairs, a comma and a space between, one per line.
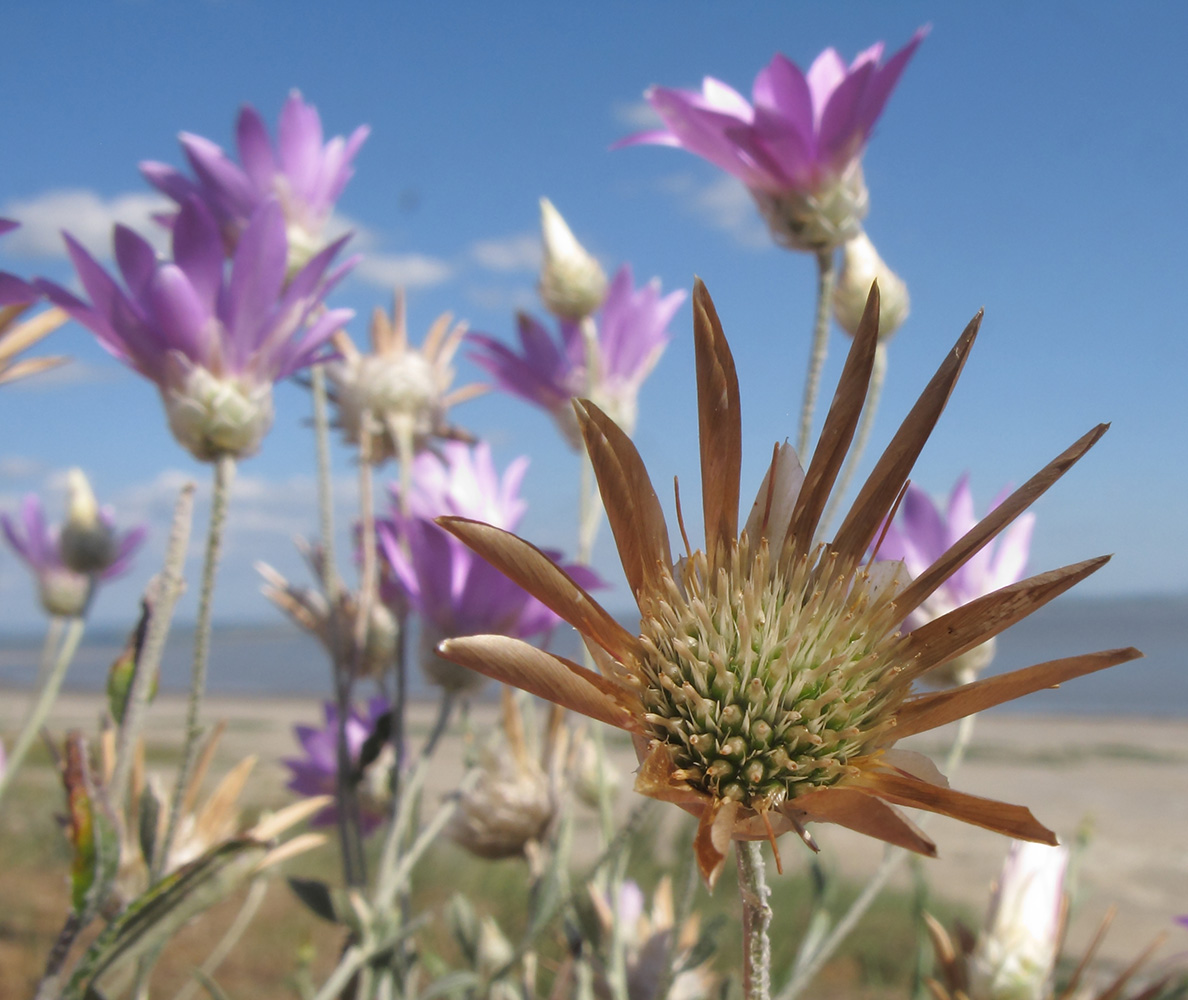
765, 681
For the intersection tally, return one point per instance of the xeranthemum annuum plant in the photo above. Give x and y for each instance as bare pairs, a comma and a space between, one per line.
770, 681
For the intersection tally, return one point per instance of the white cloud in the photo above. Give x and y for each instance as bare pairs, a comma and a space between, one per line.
86, 215
638, 115
409, 270
20, 467
519, 252
724, 203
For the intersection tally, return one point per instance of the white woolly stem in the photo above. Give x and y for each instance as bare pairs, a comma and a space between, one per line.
825, 277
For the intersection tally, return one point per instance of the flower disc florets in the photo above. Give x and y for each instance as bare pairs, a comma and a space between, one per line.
763, 686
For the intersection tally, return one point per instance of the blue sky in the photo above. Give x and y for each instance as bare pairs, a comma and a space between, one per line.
1032, 161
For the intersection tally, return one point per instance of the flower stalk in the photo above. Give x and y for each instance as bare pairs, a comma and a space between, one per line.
45, 700
826, 276
754, 891
224, 475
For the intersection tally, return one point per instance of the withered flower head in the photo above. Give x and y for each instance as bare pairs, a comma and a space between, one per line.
770, 681
508, 811
400, 393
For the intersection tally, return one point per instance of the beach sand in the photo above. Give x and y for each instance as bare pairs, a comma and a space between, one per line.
1124, 779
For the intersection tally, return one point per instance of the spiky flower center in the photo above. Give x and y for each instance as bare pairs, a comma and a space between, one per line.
765, 681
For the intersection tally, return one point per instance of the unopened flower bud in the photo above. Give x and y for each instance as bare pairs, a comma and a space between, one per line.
861, 266
1016, 952
212, 416
87, 543
572, 282
818, 222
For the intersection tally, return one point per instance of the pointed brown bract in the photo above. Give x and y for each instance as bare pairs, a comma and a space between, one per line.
839, 428
957, 632
862, 812
540, 576
719, 421
631, 504
545, 675
890, 473
932, 710
965, 547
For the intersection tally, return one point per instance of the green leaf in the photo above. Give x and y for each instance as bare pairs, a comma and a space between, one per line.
92, 831
316, 895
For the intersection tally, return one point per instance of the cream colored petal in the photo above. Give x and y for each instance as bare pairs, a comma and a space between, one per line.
632, 507
878, 493
545, 580
29, 332
932, 710
218, 815
771, 513
864, 813
719, 420
981, 533
839, 428
274, 824
550, 677
28, 367
940, 640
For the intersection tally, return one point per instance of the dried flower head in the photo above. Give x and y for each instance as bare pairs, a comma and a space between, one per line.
798, 146
400, 393
17, 296
508, 810
572, 282
333, 623
770, 680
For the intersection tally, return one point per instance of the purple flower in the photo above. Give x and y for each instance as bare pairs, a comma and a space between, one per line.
303, 174
922, 533
315, 772
62, 587
797, 144
455, 591
14, 291
631, 334
212, 338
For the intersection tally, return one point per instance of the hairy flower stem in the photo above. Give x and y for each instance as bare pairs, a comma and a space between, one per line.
46, 698
148, 663
870, 408
224, 475
753, 888
826, 275
330, 580
893, 859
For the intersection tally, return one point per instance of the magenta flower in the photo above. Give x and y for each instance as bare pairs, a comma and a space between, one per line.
212, 338
14, 291
304, 174
455, 591
797, 145
316, 771
631, 334
64, 590
923, 532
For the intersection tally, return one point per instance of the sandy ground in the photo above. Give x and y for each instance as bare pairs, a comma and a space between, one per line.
1127, 779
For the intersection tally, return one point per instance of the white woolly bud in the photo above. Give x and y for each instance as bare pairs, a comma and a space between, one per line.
86, 544
213, 416
861, 266
398, 394
572, 282
509, 807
